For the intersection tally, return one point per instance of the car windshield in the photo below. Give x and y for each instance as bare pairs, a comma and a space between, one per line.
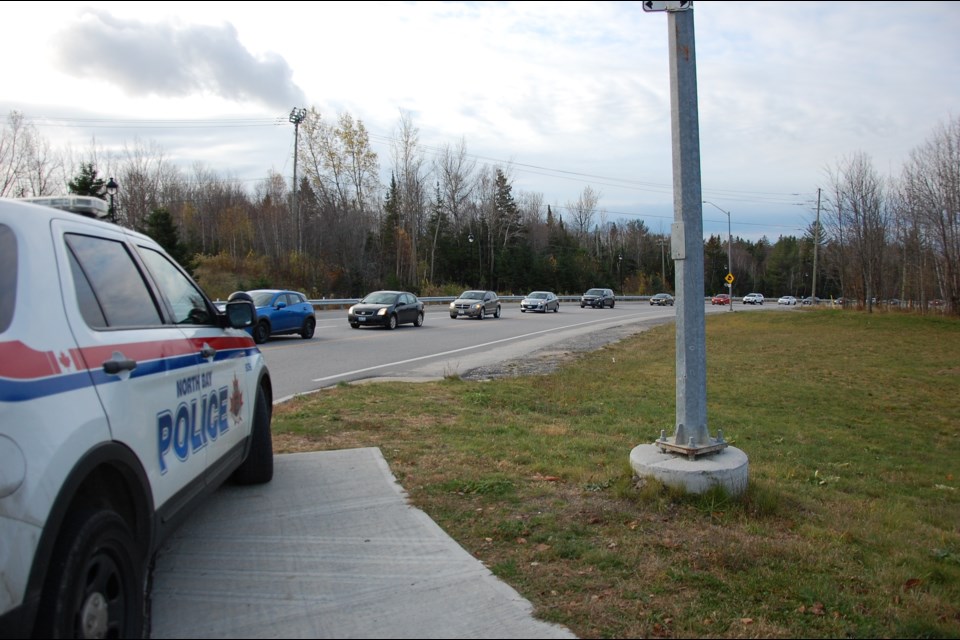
595, 292
537, 295
472, 295
262, 298
380, 297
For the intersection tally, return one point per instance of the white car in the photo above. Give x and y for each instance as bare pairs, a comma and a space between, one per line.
753, 298
126, 396
787, 300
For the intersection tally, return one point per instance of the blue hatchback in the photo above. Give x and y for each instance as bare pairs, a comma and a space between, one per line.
281, 312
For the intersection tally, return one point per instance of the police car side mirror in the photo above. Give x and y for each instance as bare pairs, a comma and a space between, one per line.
240, 314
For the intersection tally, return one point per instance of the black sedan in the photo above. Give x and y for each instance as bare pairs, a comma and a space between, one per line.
661, 300
386, 309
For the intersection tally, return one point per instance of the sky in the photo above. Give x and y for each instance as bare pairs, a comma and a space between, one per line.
562, 95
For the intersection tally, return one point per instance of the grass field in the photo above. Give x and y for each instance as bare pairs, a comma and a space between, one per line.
850, 526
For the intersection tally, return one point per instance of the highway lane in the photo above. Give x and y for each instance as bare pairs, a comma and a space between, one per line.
441, 347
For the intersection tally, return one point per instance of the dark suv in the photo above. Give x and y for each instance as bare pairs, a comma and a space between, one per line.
597, 298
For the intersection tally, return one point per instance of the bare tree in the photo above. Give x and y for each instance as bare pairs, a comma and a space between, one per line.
583, 210
408, 159
931, 191
861, 214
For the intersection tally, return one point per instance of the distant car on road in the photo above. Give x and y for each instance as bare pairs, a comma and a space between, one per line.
281, 312
787, 300
476, 303
661, 300
598, 298
810, 301
540, 301
386, 309
720, 298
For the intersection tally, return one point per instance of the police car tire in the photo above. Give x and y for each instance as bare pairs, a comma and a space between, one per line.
258, 467
96, 569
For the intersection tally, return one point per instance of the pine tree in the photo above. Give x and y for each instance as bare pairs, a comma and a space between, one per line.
87, 183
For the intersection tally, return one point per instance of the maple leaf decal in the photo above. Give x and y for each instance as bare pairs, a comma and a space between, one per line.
236, 400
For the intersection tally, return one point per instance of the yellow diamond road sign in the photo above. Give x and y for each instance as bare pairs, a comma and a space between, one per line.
729, 278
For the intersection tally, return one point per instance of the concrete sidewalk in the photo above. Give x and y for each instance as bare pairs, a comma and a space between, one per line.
329, 549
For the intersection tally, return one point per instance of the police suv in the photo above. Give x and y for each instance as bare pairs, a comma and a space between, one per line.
125, 396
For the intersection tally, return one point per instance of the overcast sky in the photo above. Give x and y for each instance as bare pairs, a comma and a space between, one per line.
564, 95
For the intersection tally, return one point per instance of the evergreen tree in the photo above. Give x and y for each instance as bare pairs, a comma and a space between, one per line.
86, 183
160, 226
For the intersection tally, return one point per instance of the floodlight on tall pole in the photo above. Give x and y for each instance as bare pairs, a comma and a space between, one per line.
296, 117
729, 253
112, 188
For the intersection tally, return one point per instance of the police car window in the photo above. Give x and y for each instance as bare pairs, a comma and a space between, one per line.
8, 275
110, 288
189, 304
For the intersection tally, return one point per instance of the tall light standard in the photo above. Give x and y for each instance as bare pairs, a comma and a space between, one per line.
663, 265
296, 117
620, 270
729, 254
112, 188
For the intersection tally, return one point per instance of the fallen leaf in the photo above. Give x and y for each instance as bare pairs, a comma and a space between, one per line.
746, 620
911, 583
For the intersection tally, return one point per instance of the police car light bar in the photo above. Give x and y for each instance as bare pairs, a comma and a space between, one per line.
84, 205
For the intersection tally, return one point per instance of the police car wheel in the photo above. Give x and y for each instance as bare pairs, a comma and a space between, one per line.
258, 466
261, 332
96, 584
308, 327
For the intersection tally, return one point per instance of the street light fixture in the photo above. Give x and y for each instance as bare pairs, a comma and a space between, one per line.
112, 188
729, 253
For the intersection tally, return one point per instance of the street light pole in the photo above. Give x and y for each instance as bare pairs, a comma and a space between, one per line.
112, 188
296, 117
729, 252
620, 270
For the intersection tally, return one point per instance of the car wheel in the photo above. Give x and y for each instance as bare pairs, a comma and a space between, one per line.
308, 327
582, 306
496, 314
419, 321
392, 321
522, 310
612, 302
453, 316
261, 332
96, 583
483, 312
556, 309
355, 325
257, 468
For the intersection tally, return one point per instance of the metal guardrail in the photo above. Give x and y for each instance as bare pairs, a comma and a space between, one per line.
334, 303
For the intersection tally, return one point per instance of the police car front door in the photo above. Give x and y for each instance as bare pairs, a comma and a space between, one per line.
144, 368
225, 358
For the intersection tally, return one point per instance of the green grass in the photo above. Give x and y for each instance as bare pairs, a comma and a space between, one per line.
850, 526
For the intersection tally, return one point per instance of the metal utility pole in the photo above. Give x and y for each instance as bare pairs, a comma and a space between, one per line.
816, 243
729, 277
686, 240
296, 117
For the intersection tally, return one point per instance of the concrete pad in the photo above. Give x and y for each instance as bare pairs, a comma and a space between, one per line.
329, 549
727, 468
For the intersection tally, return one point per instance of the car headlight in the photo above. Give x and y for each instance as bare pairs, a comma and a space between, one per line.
382, 312
350, 311
477, 305
453, 305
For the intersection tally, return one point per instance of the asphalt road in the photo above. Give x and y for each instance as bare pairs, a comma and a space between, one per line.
441, 347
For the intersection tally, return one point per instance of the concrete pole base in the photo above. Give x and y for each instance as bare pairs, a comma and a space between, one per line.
726, 468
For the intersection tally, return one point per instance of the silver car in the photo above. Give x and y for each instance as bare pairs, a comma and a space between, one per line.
540, 301
475, 303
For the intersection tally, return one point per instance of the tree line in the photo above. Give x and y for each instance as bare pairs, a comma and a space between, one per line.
446, 222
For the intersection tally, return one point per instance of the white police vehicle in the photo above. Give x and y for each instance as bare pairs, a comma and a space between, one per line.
125, 396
